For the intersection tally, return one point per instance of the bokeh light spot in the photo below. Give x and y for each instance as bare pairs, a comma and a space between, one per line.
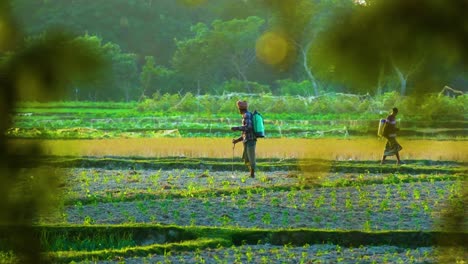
272, 48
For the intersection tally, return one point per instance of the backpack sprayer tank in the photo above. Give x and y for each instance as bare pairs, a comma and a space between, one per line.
258, 126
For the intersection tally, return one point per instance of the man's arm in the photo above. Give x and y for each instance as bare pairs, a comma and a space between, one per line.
237, 140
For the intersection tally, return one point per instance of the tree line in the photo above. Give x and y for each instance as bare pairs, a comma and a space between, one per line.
257, 46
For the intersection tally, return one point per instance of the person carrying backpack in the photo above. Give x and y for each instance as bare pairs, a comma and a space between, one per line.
389, 132
248, 137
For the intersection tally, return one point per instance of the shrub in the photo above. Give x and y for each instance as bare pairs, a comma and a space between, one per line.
289, 87
238, 86
429, 107
345, 104
188, 103
296, 104
443, 107
389, 100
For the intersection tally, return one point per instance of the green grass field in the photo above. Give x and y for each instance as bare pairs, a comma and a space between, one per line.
86, 120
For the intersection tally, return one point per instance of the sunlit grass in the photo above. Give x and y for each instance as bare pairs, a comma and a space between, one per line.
332, 149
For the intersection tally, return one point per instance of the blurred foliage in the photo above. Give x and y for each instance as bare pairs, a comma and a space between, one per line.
32, 68
423, 38
50, 62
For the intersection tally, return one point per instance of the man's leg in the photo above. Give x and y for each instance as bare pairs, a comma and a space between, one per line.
251, 155
245, 157
383, 159
387, 145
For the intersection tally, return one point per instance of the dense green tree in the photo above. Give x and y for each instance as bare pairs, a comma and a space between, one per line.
143, 27
119, 82
155, 78
192, 57
124, 73
220, 52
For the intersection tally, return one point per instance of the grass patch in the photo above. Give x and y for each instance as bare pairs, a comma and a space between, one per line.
141, 251
199, 238
222, 164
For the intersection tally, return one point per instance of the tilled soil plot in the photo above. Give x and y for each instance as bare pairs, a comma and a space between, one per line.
287, 254
271, 200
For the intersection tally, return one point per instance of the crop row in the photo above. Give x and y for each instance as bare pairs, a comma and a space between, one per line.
94, 123
281, 215
281, 200
337, 211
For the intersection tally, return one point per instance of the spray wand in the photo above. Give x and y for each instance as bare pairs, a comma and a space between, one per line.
233, 147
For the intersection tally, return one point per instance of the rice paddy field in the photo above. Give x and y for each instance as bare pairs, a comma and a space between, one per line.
189, 199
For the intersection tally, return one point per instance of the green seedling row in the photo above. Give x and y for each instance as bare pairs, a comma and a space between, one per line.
85, 122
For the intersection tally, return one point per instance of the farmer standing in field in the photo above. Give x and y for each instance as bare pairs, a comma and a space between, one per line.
248, 137
392, 147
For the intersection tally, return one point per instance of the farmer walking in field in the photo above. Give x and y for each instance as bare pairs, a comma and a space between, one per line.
248, 137
389, 132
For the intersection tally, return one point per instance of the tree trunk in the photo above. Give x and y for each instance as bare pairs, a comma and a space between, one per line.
307, 69
379, 82
241, 74
403, 79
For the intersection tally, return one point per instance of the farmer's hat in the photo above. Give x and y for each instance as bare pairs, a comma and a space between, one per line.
242, 105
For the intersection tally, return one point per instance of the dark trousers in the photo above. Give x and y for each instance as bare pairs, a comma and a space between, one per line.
249, 154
